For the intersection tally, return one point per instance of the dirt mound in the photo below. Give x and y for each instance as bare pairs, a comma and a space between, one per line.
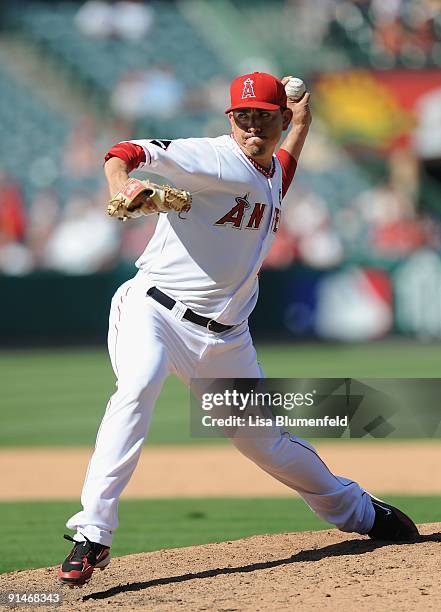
326, 569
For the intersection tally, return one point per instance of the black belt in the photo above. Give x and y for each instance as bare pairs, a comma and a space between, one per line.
169, 303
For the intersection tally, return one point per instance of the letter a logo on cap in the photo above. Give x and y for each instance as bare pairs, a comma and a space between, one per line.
248, 91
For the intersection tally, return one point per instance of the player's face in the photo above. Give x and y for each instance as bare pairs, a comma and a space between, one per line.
257, 131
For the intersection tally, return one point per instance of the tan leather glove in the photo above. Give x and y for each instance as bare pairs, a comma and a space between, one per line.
138, 198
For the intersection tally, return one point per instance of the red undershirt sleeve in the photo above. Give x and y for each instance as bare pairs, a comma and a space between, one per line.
129, 152
289, 166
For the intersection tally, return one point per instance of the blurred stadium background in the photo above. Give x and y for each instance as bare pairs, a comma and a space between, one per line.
357, 257
352, 285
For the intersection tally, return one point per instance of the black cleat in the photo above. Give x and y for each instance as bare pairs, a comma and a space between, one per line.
391, 523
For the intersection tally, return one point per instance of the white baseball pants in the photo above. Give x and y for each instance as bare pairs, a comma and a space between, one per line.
146, 343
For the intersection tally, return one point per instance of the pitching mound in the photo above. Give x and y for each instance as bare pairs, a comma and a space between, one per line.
323, 569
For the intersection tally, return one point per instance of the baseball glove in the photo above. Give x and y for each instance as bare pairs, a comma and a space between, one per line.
138, 198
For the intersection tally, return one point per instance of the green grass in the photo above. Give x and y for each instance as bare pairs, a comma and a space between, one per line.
31, 532
57, 397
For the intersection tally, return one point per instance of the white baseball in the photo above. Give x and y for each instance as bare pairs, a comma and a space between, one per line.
295, 88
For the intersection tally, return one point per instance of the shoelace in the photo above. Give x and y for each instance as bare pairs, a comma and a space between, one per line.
82, 549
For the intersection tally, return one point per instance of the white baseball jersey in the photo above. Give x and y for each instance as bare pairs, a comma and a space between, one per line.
209, 258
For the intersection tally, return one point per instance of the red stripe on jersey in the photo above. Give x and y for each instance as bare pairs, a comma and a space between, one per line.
129, 152
289, 166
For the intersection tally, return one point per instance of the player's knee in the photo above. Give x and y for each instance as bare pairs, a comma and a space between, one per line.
140, 383
275, 452
139, 388
262, 451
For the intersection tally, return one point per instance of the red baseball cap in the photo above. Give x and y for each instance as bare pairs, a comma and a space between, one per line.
257, 90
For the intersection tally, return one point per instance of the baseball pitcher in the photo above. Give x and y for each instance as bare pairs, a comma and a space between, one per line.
185, 312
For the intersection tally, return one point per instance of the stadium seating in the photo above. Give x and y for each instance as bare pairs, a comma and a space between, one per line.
29, 133
102, 62
179, 39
